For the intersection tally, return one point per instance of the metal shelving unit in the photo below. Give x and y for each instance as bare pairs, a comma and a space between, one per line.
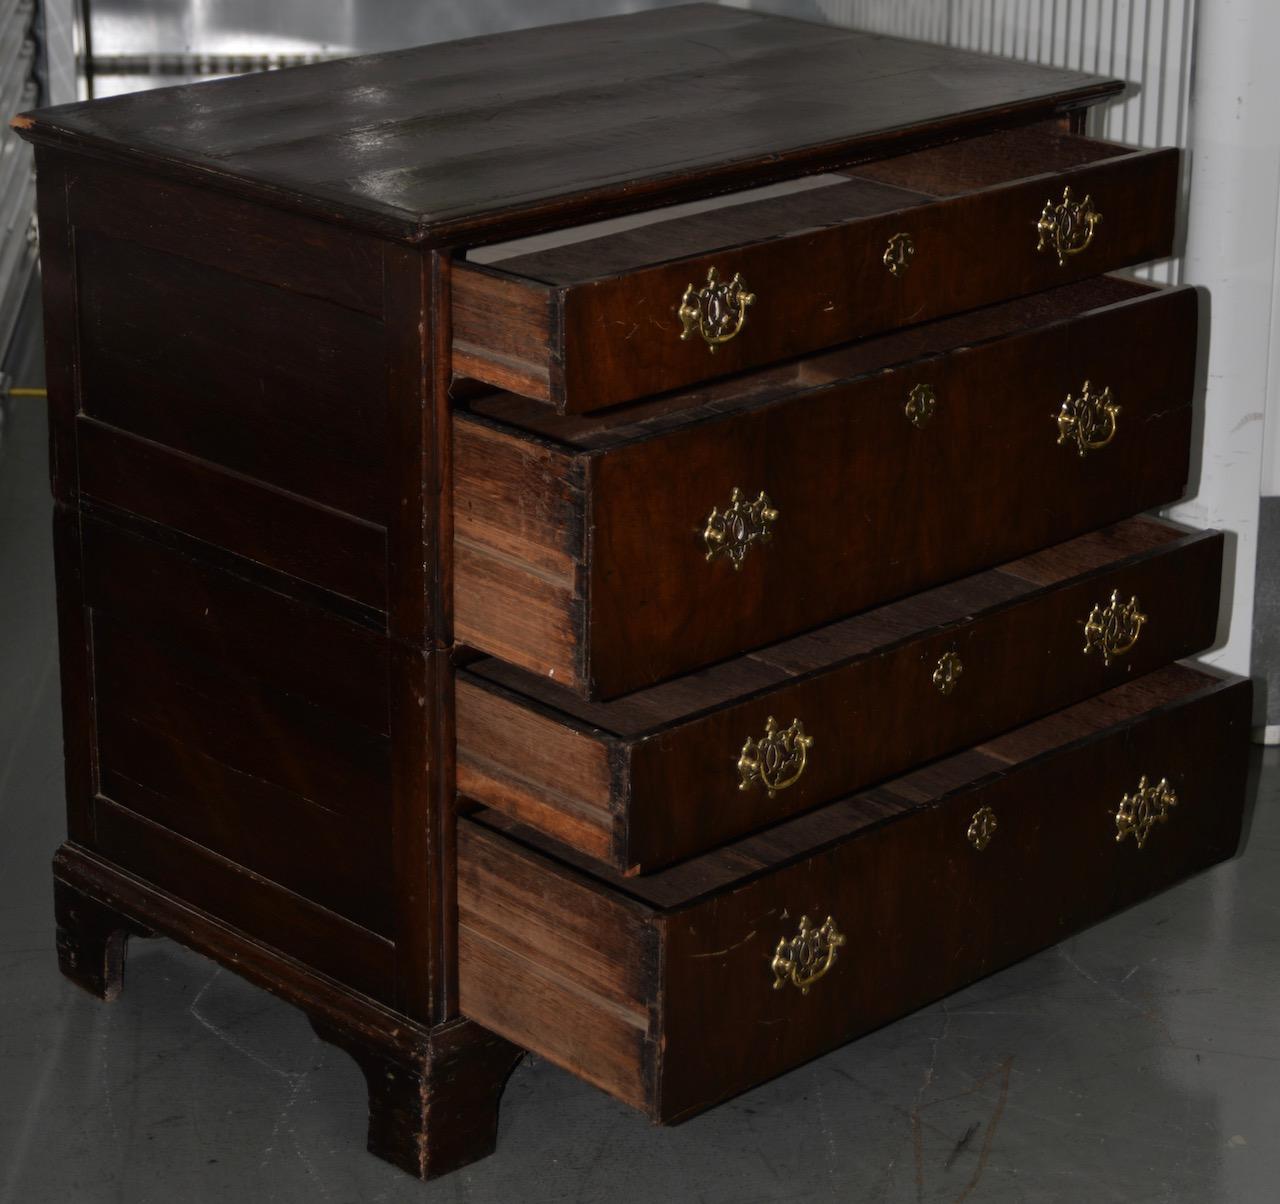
20, 29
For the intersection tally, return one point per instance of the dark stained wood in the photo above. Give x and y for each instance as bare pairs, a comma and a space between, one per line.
270, 526
415, 704
338, 860
278, 918
814, 262
923, 912
92, 941
244, 239
589, 117
435, 1111
871, 508
255, 633
75, 662
613, 779
281, 387
262, 531
433, 1092
255, 728
61, 319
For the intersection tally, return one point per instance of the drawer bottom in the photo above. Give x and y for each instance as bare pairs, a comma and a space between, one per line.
676, 990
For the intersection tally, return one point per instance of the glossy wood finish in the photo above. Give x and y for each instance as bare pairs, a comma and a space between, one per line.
593, 323
578, 550
613, 780
249, 288
601, 115
658, 989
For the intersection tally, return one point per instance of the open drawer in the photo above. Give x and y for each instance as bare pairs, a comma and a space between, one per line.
601, 319
680, 768
677, 990
609, 552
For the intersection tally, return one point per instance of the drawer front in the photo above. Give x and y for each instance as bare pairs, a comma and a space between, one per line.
952, 668
923, 910
670, 560
900, 256
930, 883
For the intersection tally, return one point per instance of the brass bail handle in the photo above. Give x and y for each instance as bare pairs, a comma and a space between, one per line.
1150, 804
1087, 421
1067, 228
775, 760
1113, 627
804, 958
717, 311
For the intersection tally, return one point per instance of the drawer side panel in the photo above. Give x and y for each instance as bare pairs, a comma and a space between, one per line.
555, 964
536, 769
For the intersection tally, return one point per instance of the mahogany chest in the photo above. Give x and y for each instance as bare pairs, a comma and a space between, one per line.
622, 540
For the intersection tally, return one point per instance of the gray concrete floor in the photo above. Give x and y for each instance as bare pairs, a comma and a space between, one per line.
1139, 1061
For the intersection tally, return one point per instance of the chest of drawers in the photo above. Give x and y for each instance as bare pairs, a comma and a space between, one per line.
622, 541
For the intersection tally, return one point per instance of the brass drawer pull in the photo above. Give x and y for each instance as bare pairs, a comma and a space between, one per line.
1114, 628
1140, 811
732, 531
1088, 421
777, 759
899, 253
716, 311
982, 827
804, 958
1067, 227
947, 672
921, 403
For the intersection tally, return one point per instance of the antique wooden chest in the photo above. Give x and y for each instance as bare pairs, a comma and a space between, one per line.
622, 540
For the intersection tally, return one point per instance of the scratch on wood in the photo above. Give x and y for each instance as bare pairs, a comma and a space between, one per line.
722, 952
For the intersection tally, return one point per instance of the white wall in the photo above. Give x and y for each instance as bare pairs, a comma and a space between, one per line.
1231, 249
1223, 103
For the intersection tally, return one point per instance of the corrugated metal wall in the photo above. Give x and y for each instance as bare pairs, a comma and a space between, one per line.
19, 90
1145, 42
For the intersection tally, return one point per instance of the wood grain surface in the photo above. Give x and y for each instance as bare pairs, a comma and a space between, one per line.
532, 127
562, 965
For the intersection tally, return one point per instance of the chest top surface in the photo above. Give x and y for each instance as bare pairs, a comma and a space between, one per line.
453, 139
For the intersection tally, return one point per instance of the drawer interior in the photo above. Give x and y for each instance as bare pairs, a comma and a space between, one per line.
662, 989
580, 253
597, 316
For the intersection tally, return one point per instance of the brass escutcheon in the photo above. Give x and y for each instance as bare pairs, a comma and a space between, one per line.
732, 531
1088, 421
716, 311
899, 253
777, 759
982, 827
947, 672
804, 958
921, 403
1114, 628
1140, 811
1067, 227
